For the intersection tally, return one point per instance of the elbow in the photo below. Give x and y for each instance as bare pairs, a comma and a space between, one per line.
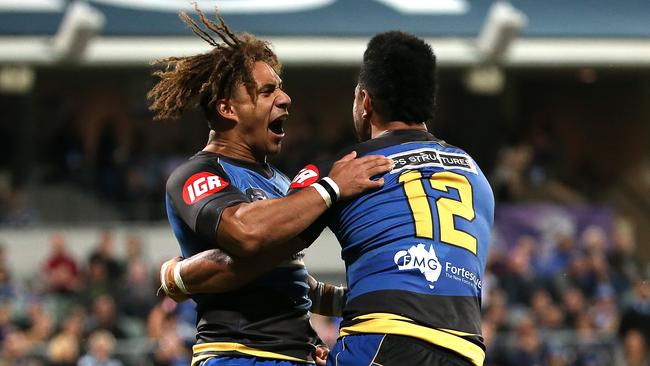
241, 237
249, 243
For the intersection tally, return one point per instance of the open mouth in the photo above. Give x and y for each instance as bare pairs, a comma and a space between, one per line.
276, 125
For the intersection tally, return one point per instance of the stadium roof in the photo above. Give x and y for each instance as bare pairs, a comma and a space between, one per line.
606, 32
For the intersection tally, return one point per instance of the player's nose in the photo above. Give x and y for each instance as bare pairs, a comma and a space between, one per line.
283, 100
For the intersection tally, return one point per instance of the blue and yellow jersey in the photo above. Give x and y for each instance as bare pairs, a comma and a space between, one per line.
267, 318
415, 250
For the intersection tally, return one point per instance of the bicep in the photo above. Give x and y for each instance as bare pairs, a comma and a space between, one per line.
212, 216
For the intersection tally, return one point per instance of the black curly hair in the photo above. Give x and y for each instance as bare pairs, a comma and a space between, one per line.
399, 72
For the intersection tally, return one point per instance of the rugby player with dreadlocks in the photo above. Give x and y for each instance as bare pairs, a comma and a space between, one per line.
227, 197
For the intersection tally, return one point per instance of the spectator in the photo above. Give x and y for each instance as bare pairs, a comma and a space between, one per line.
539, 302
15, 351
520, 281
61, 270
138, 295
105, 317
41, 325
101, 345
98, 282
574, 304
170, 351
133, 247
509, 179
579, 275
163, 319
104, 252
605, 314
530, 349
623, 259
63, 350
497, 311
636, 311
635, 349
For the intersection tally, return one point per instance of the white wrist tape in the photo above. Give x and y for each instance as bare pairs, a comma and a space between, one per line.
163, 283
177, 278
323, 193
334, 186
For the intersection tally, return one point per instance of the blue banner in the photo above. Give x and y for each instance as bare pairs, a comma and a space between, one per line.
340, 18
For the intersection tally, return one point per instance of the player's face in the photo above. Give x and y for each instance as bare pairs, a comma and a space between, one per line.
260, 122
361, 125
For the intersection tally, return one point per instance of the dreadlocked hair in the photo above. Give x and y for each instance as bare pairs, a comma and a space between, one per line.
201, 80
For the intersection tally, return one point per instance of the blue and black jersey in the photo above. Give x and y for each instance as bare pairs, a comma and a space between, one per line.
415, 250
267, 318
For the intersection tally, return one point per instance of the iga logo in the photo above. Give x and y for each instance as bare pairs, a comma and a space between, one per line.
305, 177
201, 185
418, 257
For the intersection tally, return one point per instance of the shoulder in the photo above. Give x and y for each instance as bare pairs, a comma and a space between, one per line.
201, 176
200, 165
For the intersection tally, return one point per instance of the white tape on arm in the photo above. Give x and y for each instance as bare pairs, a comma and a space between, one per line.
178, 280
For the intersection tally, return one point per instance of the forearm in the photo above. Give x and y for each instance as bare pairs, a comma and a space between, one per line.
214, 271
248, 229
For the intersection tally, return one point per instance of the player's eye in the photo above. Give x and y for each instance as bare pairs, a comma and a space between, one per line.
267, 90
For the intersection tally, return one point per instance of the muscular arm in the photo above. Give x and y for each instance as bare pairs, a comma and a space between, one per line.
247, 229
214, 271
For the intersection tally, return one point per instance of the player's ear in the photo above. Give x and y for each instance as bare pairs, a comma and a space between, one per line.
367, 103
225, 109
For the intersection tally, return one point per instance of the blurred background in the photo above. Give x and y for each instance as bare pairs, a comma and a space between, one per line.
550, 97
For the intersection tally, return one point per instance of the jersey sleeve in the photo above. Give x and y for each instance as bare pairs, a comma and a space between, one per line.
199, 193
308, 175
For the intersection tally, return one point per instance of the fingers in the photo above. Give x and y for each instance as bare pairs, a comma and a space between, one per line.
383, 165
378, 183
376, 165
377, 160
320, 355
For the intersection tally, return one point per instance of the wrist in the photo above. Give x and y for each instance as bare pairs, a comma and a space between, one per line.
327, 299
328, 190
171, 281
178, 280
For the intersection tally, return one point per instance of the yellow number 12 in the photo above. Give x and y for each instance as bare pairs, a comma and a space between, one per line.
446, 208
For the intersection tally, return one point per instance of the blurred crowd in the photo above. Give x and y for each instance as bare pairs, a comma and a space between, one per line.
103, 310
580, 299
584, 302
